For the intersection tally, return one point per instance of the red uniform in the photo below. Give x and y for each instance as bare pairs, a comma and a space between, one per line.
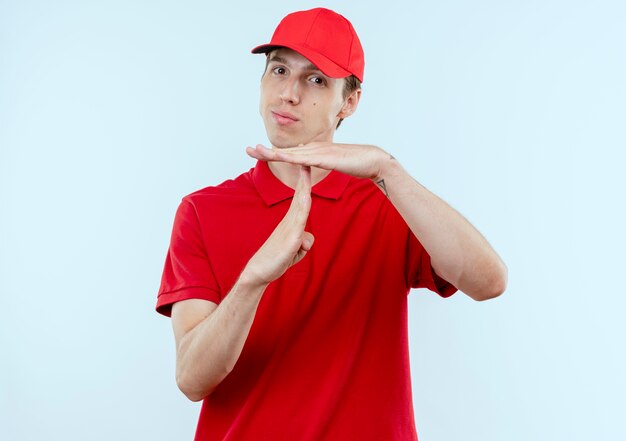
327, 355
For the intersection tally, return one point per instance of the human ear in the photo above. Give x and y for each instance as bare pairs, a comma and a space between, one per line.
350, 104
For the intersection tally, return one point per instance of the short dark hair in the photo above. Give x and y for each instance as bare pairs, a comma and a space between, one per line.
350, 84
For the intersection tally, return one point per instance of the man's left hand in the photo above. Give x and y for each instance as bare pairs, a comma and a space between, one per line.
361, 161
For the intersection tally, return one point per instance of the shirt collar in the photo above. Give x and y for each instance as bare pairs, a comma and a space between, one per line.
273, 191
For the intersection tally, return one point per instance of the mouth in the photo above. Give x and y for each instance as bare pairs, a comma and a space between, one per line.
284, 118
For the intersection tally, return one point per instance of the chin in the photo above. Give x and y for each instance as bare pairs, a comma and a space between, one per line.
282, 142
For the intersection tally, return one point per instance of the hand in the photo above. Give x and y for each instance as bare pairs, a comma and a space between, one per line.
361, 161
288, 243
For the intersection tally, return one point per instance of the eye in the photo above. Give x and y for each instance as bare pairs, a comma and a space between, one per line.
279, 70
318, 80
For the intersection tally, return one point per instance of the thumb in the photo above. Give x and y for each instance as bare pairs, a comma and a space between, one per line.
307, 241
305, 247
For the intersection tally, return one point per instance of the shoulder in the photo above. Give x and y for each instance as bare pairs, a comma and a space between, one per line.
361, 185
365, 198
240, 187
360, 190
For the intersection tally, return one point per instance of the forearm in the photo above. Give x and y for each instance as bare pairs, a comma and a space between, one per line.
208, 353
459, 253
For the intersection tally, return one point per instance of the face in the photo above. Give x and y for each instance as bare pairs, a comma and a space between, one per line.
299, 104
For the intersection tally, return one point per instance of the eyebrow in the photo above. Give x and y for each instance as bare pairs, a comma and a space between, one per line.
278, 59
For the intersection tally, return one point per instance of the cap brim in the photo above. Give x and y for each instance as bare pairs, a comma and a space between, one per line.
324, 64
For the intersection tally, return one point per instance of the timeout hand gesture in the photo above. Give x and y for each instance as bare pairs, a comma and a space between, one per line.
288, 243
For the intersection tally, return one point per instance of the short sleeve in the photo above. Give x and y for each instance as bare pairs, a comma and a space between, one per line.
420, 272
187, 273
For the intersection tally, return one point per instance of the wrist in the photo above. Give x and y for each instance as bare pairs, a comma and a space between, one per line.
250, 281
387, 166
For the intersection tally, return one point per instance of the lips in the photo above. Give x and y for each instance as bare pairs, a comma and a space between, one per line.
284, 118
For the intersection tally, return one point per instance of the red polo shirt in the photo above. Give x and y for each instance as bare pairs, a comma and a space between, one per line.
327, 355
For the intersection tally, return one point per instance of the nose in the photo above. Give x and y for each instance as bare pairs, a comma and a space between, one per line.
290, 92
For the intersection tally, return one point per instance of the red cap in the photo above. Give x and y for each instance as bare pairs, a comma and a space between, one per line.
324, 37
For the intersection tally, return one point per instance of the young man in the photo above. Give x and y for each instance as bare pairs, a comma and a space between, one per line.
289, 307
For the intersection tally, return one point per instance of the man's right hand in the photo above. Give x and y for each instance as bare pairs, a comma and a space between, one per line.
210, 337
288, 243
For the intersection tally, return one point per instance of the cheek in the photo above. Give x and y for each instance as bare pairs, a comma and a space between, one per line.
263, 101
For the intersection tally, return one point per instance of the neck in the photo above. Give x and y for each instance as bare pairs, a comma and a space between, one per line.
288, 174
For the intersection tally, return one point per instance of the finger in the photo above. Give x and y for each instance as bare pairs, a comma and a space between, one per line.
301, 203
296, 158
252, 153
318, 155
312, 147
302, 149
303, 188
260, 152
264, 154
302, 155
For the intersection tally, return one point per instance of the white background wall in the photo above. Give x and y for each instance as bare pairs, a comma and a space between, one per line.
512, 111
